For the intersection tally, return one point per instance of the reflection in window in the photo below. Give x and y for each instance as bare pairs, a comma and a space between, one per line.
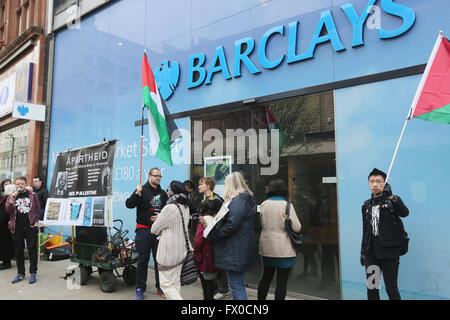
305, 151
18, 137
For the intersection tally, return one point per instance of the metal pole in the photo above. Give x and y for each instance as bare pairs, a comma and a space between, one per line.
142, 144
398, 144
12, 154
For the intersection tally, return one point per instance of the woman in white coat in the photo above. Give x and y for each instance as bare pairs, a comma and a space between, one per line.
275, 246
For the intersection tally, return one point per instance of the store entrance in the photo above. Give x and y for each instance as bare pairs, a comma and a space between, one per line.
306, 161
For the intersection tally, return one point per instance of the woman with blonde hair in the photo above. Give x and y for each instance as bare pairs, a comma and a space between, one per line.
233, 236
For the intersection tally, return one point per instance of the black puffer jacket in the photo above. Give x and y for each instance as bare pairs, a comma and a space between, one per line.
151, 202
392, 240
234, 237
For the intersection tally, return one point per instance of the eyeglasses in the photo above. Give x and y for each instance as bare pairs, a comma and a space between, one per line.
156, 175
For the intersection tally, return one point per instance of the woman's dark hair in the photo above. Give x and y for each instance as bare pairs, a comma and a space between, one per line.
277, 187
2, 185
189, 183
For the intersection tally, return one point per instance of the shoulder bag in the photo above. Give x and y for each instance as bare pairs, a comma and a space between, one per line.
189, 273
296, 237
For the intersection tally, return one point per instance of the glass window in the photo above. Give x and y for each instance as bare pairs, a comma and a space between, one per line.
13, 146
303, 156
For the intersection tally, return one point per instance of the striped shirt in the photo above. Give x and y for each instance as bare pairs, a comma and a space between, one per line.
172, 244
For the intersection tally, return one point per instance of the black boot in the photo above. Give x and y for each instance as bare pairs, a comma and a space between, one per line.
5, 265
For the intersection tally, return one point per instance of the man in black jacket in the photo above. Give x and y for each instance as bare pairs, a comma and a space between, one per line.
384, 238
41, 191
148, 200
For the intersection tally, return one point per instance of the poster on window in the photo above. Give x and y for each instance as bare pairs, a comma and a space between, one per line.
81, 187
218, 168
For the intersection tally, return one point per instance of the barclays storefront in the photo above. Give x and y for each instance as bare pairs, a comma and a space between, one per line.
336, 77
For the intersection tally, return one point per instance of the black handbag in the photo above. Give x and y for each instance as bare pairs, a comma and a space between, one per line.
405, 238
189, 273
296, 237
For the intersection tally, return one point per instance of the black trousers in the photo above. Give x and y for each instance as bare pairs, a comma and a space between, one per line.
30, 234
281, 286
146, 243
389, 269
222, 282
208, 287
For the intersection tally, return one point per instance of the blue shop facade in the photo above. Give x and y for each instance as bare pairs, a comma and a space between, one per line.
336, 77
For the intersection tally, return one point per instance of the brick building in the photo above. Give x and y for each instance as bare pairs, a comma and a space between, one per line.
22, 64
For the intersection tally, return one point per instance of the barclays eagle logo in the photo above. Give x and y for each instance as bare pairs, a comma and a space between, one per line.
23, 110
166, 77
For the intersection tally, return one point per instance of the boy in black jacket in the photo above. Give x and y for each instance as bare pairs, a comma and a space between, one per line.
384, 238
148, 200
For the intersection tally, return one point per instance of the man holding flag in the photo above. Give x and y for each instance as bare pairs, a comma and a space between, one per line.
148, 201
384, 237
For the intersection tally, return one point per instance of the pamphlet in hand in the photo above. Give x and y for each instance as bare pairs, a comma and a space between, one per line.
219, 216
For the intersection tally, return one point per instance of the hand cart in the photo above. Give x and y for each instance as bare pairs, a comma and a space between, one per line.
107, 258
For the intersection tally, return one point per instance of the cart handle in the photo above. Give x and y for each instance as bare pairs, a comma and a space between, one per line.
121, 224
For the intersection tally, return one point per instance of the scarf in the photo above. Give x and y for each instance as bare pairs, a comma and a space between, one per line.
178, 198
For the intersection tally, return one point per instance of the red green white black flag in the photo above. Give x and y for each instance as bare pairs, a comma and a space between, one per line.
159, 134
432, 99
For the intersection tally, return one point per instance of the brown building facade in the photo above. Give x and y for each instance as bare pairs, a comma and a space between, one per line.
22, 64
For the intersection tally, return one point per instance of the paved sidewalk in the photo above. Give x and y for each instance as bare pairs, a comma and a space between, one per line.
50, 285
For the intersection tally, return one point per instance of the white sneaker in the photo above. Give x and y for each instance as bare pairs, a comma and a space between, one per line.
220, 296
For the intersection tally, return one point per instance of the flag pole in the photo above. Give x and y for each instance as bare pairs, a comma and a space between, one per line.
416, 98
142, 144
142, 133
398, 143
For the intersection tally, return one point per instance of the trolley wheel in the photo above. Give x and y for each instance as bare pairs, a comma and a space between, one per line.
129, 275
84, 274
108, 281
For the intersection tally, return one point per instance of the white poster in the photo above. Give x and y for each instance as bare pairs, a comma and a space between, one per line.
218, 168
7, 93
219, 216
91, 211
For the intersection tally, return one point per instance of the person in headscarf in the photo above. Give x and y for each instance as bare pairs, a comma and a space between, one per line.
171, 226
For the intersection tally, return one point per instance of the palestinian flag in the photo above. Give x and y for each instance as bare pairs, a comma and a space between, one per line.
271, 123
432, 100
159, 135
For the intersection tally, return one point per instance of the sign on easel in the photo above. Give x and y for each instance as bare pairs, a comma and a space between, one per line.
81, 187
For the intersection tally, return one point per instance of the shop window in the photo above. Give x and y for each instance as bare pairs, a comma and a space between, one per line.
305, 154
13, 147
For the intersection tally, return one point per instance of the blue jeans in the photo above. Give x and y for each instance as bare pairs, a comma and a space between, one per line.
236, 283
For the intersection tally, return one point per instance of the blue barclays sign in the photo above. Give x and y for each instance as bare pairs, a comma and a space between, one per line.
325, 32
